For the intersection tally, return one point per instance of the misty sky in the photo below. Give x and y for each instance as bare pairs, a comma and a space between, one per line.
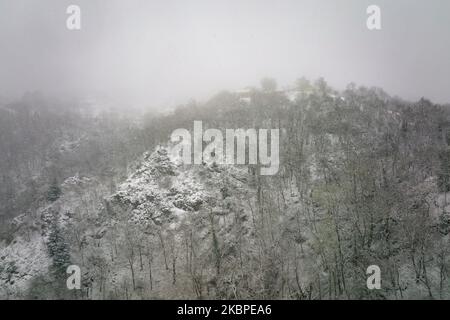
161, 53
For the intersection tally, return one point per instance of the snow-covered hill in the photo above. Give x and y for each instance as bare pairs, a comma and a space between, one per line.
151, 211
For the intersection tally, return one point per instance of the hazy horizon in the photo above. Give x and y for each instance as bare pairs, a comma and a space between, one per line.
161, 54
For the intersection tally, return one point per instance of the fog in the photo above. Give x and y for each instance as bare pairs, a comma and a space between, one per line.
161, 53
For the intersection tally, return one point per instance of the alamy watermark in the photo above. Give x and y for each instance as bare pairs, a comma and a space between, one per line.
242, 146
73, 21
74, 280
374, 18
374, 279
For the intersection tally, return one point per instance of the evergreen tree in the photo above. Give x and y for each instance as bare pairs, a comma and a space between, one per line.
58, 250
54, 192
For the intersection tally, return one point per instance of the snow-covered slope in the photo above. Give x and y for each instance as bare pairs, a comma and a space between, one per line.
162, 202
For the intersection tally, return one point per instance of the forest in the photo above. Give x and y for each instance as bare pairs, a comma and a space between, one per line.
363, 180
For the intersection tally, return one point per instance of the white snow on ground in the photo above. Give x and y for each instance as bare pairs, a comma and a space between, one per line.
21, 261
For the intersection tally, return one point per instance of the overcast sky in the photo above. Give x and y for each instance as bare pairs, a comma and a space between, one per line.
160, 53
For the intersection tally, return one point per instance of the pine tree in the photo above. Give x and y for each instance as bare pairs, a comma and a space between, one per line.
58, 250
54, 192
